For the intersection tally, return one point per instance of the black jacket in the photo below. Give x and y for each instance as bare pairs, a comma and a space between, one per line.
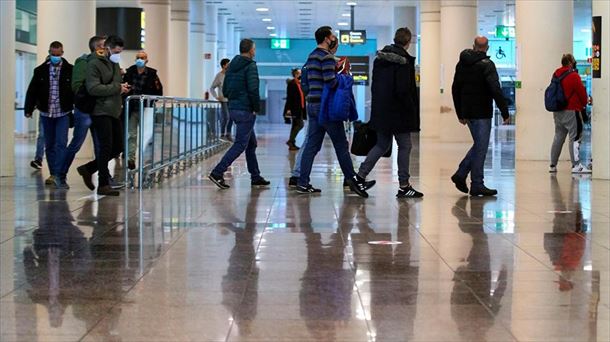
293, 101
475, 86
37, 96
152, 84
393, 92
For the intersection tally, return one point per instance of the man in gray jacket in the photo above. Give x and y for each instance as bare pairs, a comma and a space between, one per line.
225, 120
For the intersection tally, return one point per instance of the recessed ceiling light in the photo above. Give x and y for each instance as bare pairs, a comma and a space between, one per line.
262, 9
351, 3
346, 15
266, 20
490, 32
585, 30
272, 34
342, 24
270, 27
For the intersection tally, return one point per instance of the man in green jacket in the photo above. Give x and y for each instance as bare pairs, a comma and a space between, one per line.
103, 81
241, 88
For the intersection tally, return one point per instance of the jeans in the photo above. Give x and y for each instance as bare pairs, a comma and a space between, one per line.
82, 122
39, 142
297, 126
226, 123
566, 124
108, 136
474, 162
315, 136
384, 143
55, 141
245, 140
296, 172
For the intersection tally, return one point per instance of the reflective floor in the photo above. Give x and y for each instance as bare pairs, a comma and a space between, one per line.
187, 262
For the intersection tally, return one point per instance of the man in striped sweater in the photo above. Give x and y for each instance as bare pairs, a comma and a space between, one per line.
321, 66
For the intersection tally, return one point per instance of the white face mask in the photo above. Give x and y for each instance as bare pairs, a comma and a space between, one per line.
115, 58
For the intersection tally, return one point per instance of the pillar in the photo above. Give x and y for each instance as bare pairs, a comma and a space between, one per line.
539, 53
158, 14
600, 122
196, 50
458, 30
179, 49
406, 16
211, 29
7, 97
222, 37
430, 68
230, 40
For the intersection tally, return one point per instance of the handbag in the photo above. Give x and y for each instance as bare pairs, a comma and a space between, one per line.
364, 140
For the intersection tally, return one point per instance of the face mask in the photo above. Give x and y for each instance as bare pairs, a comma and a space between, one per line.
55, 60
115, 58
332, 44
140, 63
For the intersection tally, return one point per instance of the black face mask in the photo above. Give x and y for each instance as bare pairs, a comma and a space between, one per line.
332, 44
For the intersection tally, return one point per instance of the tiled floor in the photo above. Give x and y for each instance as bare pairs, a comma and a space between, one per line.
199, 264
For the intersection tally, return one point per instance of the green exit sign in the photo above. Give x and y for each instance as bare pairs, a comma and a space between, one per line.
280, 44
505, 31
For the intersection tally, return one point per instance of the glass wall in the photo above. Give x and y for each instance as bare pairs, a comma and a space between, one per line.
25, 22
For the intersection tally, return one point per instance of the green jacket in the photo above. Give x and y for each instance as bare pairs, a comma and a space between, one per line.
241, 85
79, 72
103, 81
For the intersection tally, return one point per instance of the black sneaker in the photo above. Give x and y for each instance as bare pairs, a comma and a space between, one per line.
483, 191
61, 184
345, 183
293, 182
219, 181
116, 185
408, 192
106, 190
260, 182
131, 164
460, 183
358, 185
82, 170
36, 164
367, 184
307, 189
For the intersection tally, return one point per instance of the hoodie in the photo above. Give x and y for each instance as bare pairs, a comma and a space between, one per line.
241, 85
475, 86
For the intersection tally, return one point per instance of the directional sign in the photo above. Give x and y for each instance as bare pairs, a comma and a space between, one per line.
352, 37
280, 44
505, 31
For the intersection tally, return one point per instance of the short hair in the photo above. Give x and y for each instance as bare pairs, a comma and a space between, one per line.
56, 45
294, 71
567, 59
322, 33
402, 36
224, 62
94, 41
481, 42
114, 41
246, 45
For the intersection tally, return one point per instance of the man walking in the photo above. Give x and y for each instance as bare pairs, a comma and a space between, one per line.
394, 109
475, 86
241, 87
295, 108
50, 92
225, 119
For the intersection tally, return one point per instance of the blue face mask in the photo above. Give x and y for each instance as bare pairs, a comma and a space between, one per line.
140, 63
55, 60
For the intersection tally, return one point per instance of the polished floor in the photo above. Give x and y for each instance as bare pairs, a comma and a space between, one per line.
185, 261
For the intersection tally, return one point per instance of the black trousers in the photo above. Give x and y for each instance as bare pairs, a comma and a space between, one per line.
109, 134
297, 126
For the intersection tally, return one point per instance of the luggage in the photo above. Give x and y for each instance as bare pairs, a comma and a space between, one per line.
364, 140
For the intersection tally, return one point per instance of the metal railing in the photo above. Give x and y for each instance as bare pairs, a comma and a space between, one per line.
172, 134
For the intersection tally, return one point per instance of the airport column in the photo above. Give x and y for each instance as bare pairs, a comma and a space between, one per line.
211, 28
543, 35
230, 40
458, 30
157, 14
430, 68
600, 123
196, 50
222, 37
406, 16
7, 96
179, 49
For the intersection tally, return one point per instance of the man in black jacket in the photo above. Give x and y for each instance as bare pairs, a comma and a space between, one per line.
475, 86
394, 109
295, 108
50, 92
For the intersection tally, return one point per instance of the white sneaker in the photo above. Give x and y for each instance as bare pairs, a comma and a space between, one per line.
580, 169
552, 169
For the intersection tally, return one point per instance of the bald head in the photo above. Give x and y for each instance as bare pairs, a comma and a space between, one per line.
481, 43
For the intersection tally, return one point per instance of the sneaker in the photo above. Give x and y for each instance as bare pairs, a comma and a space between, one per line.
345, 183
580, 169
483, 191
50, 180
307, 189
61, 184
460, 183
358, 185
293, 182
408, 192
116, 185
36, 164
82, 170
260, 182
293, 148
106, 190
219, 181
552, 169
131, 164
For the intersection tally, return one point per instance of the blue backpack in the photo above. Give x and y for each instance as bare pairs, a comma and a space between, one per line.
304, 80
554, 97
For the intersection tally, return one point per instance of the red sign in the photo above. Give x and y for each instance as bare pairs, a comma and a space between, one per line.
207, 56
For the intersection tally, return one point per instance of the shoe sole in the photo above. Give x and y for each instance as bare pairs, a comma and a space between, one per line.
218, 184
483, 195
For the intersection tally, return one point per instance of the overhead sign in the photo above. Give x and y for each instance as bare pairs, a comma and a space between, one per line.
505, 31
360, 69
280, 44
596, 42
352, 36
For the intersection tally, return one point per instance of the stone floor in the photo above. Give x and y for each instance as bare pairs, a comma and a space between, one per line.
185, 261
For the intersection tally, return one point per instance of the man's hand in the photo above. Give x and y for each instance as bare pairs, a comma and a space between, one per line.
289, 113
28, 115
125, 88
506, 121
463, 121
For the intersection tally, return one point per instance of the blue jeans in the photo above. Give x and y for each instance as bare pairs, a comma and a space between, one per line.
56, 139
474, 161
296, 172
245, 140
82, 122
39, 142
315, 139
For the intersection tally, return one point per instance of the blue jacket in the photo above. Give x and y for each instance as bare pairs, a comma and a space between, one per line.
338, 103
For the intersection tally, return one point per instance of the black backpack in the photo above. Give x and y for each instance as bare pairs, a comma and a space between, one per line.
554, 96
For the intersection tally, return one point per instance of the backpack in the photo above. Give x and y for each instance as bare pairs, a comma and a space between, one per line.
554, 96
304, 80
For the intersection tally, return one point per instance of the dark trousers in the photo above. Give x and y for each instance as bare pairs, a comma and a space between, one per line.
474, 162
297, 126
108, 133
